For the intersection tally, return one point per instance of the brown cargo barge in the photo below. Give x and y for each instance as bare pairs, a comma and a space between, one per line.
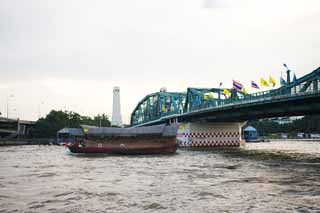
158, 139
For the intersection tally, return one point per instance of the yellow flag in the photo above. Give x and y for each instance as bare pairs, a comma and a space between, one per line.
163, 109
244, 90
272, 81
208, 96
226, 92
264, 82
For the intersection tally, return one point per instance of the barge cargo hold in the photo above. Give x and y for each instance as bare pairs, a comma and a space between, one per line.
159, 139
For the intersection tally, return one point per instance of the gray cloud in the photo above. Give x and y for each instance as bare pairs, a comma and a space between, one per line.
153, 43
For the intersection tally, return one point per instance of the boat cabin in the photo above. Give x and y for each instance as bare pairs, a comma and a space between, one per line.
98, 133
69, 135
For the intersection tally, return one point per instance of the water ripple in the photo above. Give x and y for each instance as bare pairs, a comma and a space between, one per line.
251, 179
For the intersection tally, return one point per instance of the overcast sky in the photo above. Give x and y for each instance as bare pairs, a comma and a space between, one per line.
68, 54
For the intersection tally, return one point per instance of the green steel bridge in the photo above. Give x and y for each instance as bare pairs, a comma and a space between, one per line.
298, 97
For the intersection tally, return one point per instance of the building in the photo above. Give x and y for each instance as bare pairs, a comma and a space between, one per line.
285, 120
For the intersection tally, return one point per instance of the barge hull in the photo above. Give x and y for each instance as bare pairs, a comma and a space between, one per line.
123, 151
127, 146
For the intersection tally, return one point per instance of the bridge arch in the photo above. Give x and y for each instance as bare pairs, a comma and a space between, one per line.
157, 105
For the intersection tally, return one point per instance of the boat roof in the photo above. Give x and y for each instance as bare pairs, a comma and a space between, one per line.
250, 129
147, 130
71, 131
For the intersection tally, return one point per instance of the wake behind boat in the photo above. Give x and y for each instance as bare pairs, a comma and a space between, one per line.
159, 139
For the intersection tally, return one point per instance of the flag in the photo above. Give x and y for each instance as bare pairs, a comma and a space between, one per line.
264, 82
226, 92
254, 85
282, 82
295, 80
272, 81
237, 86
244, 90
207, 96
163, 108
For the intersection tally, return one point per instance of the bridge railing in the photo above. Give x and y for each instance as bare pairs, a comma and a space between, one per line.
274, 94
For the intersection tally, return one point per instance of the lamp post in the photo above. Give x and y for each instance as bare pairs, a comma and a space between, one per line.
219, 95
8, 97
288, 73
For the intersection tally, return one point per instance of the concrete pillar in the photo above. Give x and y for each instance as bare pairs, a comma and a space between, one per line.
18, 127
24, 130
209, 134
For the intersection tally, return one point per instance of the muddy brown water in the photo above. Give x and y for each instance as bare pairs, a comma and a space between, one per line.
264, 177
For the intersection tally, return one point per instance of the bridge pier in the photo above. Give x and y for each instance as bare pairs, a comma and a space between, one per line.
199, 134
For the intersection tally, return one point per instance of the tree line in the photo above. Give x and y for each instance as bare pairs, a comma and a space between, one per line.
56, 120
308, 124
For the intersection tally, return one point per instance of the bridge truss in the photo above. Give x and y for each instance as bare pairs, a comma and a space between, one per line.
162, 106
157, 105
200, 98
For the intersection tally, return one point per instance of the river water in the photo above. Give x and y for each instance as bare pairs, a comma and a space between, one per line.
260, 177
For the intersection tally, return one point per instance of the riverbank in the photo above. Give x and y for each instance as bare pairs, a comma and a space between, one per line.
296, 139
293, 148
17, 142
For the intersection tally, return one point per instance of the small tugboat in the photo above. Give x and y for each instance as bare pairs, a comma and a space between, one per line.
159, 139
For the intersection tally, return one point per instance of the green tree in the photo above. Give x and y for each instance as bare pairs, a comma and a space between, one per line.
101, 120
56, 120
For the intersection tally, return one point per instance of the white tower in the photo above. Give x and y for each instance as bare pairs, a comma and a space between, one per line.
163, 89
116, 112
